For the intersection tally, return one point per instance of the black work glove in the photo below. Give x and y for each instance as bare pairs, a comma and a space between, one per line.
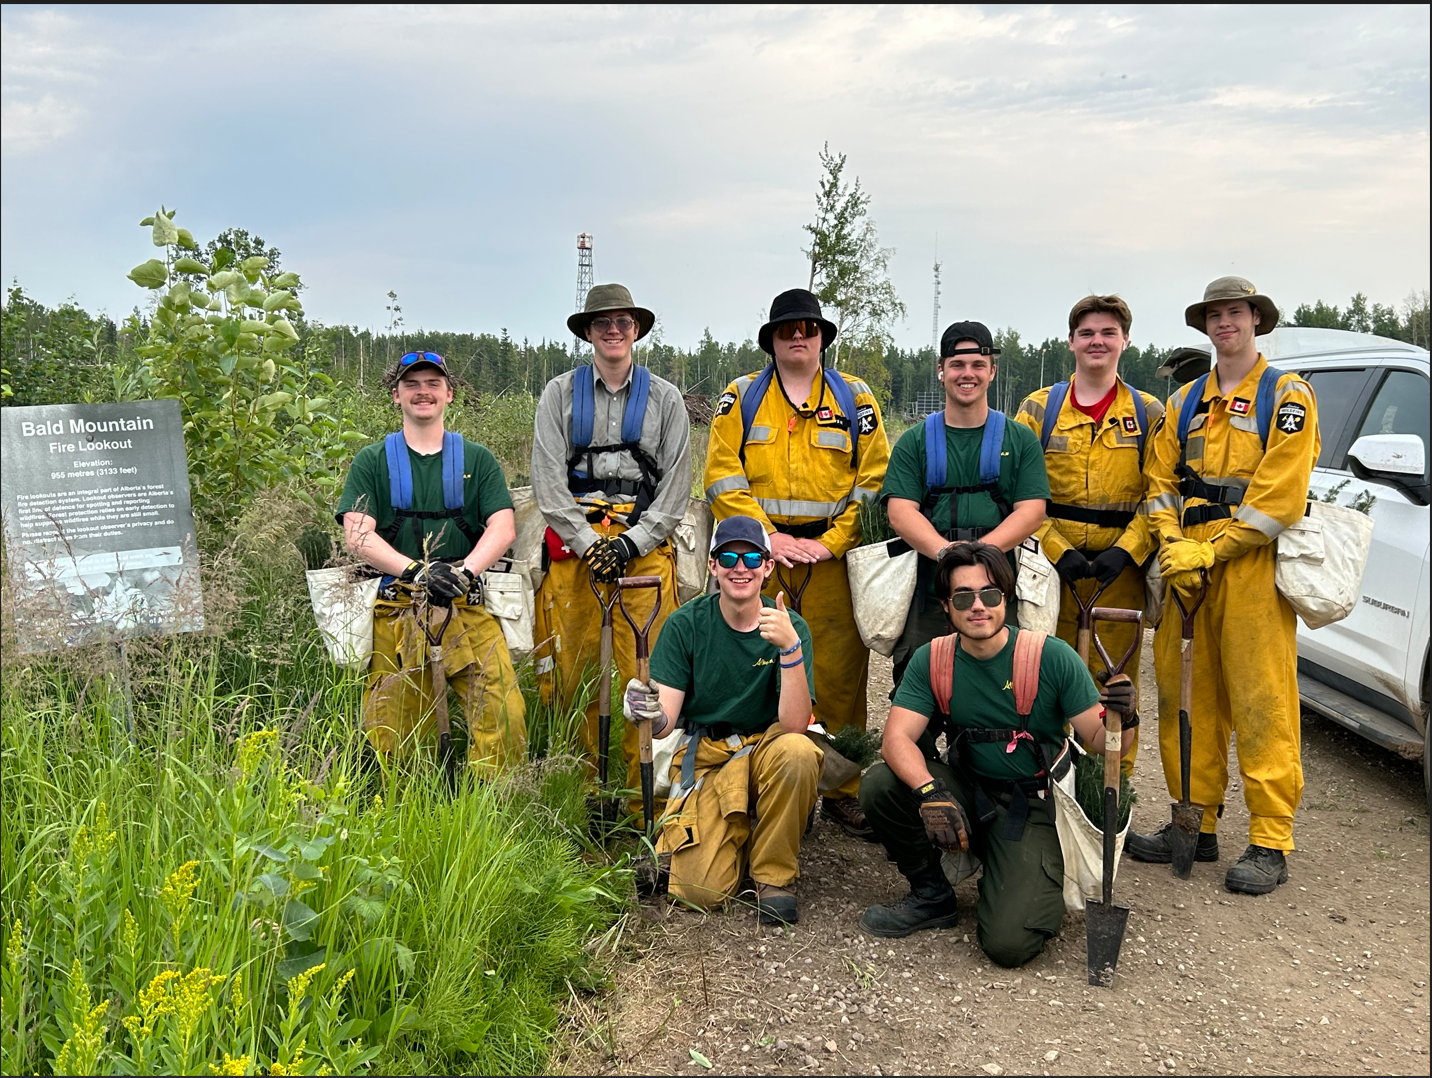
446, 582
411, 573
943, 818
608, 558
1118, 695
1073, 566
1108, 564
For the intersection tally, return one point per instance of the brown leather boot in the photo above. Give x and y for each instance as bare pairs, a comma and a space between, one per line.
776, 905
847, 812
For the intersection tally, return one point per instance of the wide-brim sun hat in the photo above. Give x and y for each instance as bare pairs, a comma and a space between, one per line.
1226, 288
790, 306
610, 297
1183, 365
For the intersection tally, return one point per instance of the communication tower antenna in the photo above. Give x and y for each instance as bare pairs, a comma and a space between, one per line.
584, 278
935, 319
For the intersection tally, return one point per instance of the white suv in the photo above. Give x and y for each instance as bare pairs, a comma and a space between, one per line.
1369, 672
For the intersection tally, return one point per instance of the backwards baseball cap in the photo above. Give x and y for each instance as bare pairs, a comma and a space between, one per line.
967, 331
740, 530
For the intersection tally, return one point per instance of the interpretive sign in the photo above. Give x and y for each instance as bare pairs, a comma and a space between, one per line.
99, 534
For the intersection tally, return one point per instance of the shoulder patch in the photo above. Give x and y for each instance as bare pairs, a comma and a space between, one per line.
1131, 424
1240, 406
726, 403
866, 417
1291, 417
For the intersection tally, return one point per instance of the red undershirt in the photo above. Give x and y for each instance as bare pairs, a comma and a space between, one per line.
1096, 410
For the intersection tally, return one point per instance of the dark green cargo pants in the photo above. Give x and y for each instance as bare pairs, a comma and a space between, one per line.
1021, 894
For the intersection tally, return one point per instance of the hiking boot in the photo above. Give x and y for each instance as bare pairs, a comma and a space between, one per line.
847, 812
1156, 850
776, 905
1258, 871
930, 904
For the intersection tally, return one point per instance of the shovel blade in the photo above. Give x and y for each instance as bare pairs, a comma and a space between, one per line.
1183, 837
1104, 923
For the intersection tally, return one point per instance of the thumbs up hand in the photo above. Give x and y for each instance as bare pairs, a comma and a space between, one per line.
775, 624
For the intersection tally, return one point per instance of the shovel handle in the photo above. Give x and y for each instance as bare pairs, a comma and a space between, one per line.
1119, 614
643, 673
631, 583
789, 587
1187, 612
1086, 616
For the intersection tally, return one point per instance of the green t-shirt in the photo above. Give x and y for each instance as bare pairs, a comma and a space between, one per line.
1021, 477
983, 696
728, 677
484, 489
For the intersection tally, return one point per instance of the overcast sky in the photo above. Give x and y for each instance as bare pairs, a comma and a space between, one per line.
454, 154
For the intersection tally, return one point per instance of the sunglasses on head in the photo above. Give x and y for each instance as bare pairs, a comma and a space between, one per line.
421, 357
964, 598
808, 327
751, 559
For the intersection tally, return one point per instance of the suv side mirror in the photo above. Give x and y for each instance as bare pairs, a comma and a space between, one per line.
1397, 460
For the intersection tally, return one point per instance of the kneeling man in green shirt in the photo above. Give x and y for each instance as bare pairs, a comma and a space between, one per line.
991, 794
735, 669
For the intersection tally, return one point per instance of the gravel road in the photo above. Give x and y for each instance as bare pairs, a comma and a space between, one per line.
1328, 975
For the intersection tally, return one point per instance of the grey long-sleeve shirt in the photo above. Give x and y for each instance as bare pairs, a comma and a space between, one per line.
665, 437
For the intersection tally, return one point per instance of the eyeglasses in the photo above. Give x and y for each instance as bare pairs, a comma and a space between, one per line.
622, 322
964, 599
751, 559
808, 327
421, 357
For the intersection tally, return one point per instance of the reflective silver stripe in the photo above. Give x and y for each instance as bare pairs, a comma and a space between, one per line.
1197, 422
1033, 408
1244, 422
860, 494
721, 486
1058, 443
1295, 385
744, 383
1260, 520
1194, 448
545, 664
781, 507
1117, 507
759, 434
858, 387
1162, 501
833, 438
1237, 481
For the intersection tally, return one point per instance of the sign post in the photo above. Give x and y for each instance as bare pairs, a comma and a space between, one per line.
99, 532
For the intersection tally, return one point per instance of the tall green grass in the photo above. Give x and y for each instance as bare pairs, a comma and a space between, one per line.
236, 890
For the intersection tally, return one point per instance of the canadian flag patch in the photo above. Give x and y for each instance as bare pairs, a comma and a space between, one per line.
1240, 406
1131, 425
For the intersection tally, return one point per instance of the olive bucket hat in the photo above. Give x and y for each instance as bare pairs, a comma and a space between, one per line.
610, 297
1226, 288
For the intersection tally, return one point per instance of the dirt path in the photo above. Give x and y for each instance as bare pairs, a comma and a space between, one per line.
1327, 975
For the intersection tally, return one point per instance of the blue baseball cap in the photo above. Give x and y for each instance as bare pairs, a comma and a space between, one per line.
740, 530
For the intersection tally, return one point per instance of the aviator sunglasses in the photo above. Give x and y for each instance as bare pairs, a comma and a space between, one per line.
751, 559
964, 599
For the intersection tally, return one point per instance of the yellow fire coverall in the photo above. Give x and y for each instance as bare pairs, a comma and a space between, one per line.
709, 830
398, 704
1101, 471
1244, 637
798, 473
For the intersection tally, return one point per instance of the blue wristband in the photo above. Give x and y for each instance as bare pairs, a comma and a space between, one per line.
792, 649
797, 662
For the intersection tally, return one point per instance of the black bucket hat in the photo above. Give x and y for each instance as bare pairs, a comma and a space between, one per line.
788, 307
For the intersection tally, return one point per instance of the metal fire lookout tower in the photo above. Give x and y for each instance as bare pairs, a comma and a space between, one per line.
584, 280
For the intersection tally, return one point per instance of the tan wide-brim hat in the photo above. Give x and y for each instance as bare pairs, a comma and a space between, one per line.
610, 297
1226, 288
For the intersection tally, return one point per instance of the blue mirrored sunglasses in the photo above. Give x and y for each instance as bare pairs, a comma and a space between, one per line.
420, 357
753, 559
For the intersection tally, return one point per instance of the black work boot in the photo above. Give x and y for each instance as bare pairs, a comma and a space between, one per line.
930, 904
1258, 871
1156, 849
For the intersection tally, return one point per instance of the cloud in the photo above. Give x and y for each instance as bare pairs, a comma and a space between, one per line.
29, 125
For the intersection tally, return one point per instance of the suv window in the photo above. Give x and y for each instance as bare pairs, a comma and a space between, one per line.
1400, 407
1337, 393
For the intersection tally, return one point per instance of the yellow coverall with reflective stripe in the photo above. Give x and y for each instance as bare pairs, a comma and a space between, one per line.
798, 469
398, 704
1097, 469
1245, 651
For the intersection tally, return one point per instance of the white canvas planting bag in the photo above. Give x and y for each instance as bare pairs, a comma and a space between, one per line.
1320, 561
692, 540
882, 584
507, 596
1036, 589
343, 609
1081, 842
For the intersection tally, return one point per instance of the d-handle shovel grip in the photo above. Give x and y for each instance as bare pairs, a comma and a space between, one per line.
1187, 612
630, 583
1114, 613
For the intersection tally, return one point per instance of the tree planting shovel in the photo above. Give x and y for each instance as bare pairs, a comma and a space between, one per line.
604, 687
440, 700
1086, 618
643, 674
1187, 817
1105, 922
793, 593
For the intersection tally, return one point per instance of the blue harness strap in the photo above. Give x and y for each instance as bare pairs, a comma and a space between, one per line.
936, 462
839, 389
400, 471
1060, 390
584, 405
1263, 404
1192, 485
453, 494
991, 445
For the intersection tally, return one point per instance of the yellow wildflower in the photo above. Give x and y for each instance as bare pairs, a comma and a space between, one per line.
232, 1065
177, 894
236, 999
79, 1054
298, 984
93, 840
15, 946
129, 932
342, 982
254, 749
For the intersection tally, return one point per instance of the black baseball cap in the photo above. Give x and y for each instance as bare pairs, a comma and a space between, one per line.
967, 331
740, 530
